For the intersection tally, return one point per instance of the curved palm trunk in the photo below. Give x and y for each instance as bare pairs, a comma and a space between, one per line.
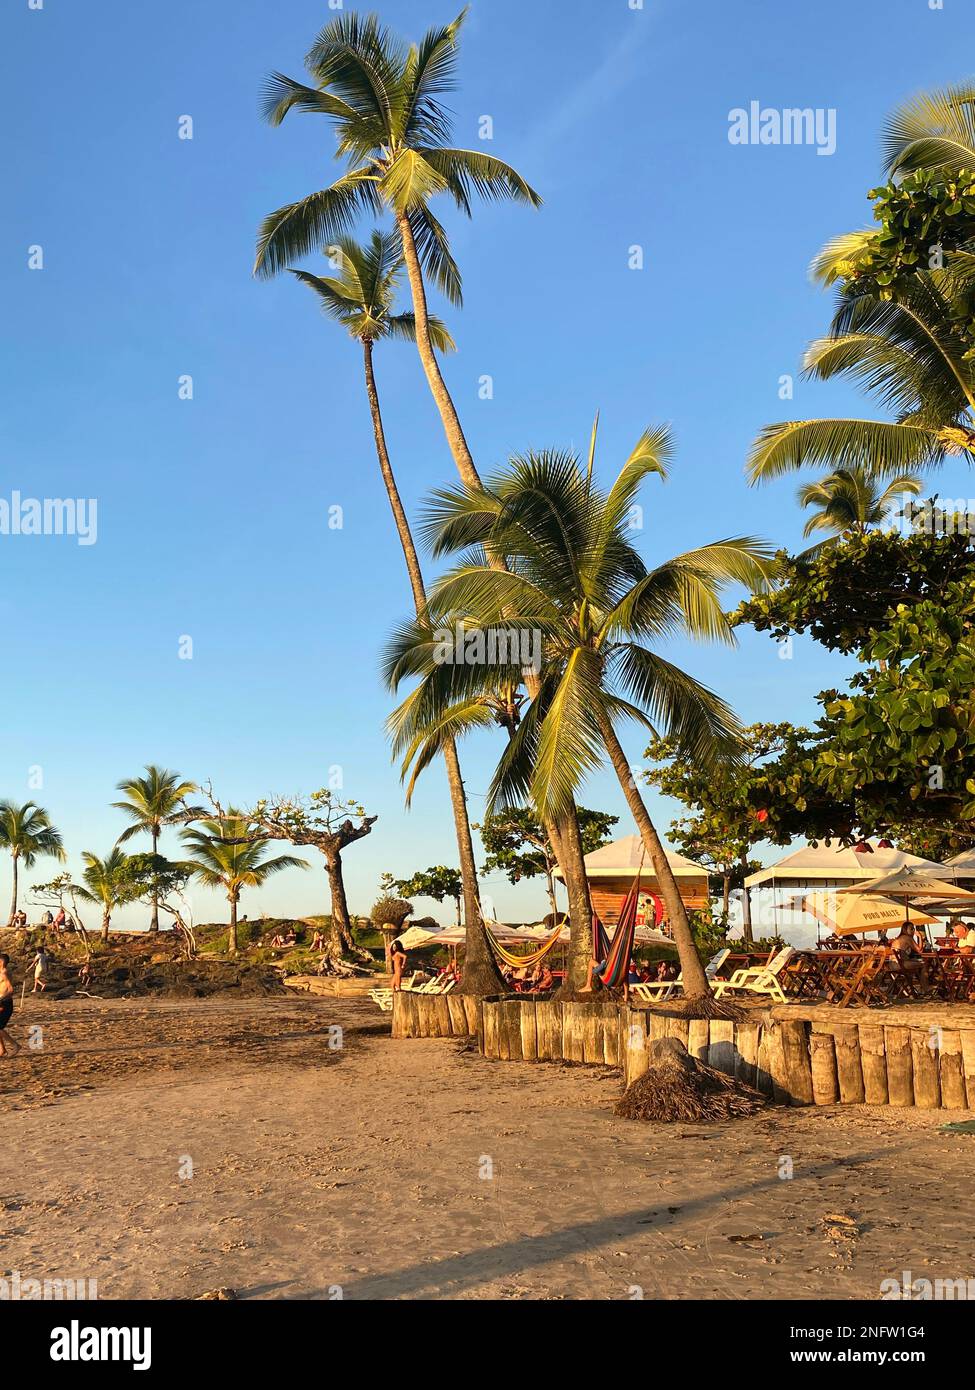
572, 865
154, 920
232, 930
692, 971
106, 919
481, 975
13, 899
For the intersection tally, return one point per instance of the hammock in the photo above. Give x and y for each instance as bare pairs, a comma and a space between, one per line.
533, 958
617, 955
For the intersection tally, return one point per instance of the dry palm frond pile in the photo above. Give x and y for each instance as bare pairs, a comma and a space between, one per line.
679, 1087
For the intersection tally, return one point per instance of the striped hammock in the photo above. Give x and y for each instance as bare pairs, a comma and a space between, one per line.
517, 962
617, 953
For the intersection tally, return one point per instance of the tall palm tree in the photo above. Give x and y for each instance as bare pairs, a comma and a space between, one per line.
229, 854
26, 832
360, 295
107, 882
850, 501
392, 125
933, 130
151, 802
385, 99
573, 576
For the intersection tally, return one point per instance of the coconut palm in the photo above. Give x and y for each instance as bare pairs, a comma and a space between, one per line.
360, 295
26, 833
850, 501
933, 130
228, 853
107, 882
393, 127
909, 351
152, 802
575, 577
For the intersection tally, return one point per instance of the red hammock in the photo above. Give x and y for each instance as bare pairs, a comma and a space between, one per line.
617, 954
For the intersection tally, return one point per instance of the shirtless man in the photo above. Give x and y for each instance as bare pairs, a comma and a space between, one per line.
6, 1007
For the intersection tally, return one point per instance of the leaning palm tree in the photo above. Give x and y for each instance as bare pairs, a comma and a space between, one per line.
385, 99
575, 578
107, 882
850, 501
228, 853
360, 296
26, 833
933, 130
152, 802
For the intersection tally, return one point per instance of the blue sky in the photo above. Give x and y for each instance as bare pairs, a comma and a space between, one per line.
213, 513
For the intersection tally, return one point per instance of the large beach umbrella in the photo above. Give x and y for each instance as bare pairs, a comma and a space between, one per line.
909, 884
849, 916
416, 938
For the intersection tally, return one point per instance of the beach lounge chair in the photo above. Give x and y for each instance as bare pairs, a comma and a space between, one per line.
759, 979
654, 991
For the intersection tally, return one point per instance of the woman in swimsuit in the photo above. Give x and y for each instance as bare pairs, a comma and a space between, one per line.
397, 958
6, 1007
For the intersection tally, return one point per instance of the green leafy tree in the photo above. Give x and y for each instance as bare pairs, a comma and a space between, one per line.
360, 296
26, 833
574, 578
437, 882
518, 844
229, 852
152, 802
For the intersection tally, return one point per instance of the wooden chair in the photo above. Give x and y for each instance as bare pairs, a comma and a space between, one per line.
653, 991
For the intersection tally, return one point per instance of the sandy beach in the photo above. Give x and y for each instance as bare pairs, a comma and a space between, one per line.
417, 1170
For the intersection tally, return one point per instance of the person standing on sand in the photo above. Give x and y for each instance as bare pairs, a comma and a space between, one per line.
6, 1007
397, 959
40, 970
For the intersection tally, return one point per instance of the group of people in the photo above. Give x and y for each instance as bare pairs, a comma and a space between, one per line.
284, 939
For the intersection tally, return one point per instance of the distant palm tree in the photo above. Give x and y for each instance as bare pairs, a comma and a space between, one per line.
386, 101
229, 854
360, 296
107, 882
849, 501
933, 130
26, 832
151, 802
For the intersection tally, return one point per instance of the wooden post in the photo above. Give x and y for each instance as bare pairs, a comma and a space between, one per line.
849, 1069
511, 1029
611, 1035
746, 1052
680, 1029
873, 1059
952, 1069
572, 1031
489, 1015
822, 1057
721, 1045
968, 1062
763, 1061
927, 1087
797, 1071
697, 1040
548, 1030
592, 1033
440, 1017
635, 1061
529, 1031
900, 1068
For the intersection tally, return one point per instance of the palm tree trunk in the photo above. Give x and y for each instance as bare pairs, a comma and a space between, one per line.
565, 836
481, 975
106, 919
438, 387
154, 920
13, 899
746, 908
580, 910
232, 930
692, 971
